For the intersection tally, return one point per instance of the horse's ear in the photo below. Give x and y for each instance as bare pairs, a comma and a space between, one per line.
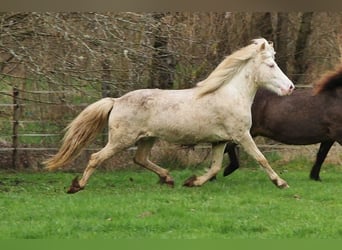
263, 46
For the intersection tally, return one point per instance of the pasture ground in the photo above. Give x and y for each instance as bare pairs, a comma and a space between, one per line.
126, 204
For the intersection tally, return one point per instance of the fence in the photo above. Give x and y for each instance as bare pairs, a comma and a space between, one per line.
22, 145
24, 132
25, 146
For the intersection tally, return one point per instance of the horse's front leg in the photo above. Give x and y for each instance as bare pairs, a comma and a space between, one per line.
248, 144
216, 164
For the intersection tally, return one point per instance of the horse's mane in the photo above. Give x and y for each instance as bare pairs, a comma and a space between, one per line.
329, 81
227, 69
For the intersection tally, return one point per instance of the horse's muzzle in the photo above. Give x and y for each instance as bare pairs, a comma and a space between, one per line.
288, 91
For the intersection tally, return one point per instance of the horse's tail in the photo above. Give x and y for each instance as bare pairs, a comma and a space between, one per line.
80, 132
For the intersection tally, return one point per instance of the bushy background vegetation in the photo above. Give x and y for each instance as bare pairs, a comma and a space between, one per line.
58, 63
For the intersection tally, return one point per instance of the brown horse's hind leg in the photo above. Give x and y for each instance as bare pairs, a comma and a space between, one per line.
142, 158
320, 157
233, 152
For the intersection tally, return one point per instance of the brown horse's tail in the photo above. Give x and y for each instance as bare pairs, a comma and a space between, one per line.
80, 132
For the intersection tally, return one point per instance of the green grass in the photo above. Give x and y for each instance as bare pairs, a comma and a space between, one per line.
130, 205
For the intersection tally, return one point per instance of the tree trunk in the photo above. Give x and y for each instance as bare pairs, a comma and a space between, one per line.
261, 26
300, 63
282, 41
106, 77
162, 68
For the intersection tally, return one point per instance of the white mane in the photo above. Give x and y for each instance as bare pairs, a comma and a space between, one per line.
229, 67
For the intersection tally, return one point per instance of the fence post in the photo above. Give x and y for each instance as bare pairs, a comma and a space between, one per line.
16, 113
105, 87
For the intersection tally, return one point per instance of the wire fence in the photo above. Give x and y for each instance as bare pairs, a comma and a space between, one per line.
23, 137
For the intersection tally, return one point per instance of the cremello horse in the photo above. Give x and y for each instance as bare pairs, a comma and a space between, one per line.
216, 111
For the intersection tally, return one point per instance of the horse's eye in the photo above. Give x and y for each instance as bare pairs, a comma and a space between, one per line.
271, 65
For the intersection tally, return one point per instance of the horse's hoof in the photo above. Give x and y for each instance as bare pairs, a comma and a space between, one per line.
315, 178
75, 186
228, 170
281, 184
190, 182
73, 190
167, 180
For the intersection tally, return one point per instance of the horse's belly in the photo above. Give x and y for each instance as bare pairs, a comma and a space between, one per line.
289, 136
193, 135
300, 139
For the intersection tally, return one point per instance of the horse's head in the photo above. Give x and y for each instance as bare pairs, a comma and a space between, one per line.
266, 72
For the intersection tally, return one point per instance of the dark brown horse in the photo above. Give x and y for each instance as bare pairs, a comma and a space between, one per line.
308, 116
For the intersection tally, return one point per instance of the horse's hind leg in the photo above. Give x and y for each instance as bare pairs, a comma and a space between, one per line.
142, 158
321, 155
95, 160
216, 164
233, 157
249, 145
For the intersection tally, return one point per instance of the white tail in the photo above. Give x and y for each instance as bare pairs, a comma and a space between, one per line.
81, 131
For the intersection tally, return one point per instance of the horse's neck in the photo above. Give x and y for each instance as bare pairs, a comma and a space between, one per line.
243, 86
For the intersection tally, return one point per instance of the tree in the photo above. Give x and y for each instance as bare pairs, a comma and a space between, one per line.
163, 62
282, 34
300, 62
261, 25
60, 62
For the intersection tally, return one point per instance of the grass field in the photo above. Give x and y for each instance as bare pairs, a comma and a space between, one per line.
130, 205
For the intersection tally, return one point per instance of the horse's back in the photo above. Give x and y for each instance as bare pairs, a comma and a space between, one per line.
174, 115
295, 119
